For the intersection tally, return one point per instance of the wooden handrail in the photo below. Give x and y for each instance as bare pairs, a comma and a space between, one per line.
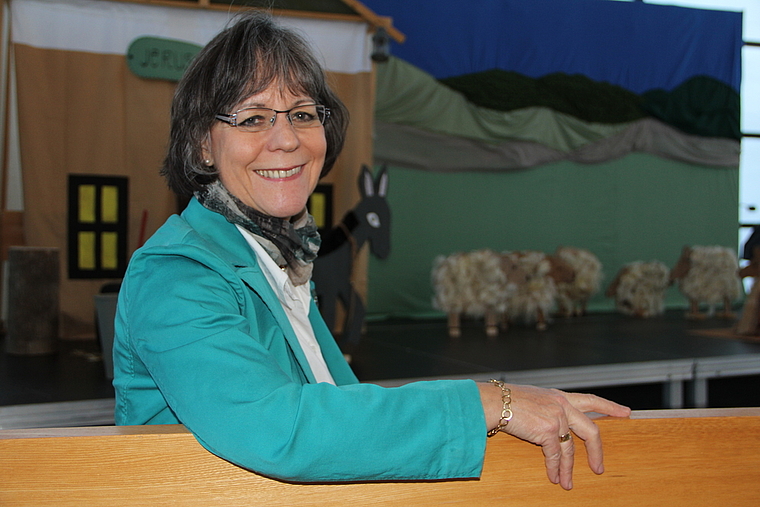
671, 458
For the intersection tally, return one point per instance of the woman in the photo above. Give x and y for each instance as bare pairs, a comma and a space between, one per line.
216, 328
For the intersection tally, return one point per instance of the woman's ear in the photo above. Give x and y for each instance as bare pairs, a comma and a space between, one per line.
208, 159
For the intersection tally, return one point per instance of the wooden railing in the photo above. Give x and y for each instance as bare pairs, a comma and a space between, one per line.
662, 458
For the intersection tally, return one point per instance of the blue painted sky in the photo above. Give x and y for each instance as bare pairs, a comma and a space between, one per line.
635, 45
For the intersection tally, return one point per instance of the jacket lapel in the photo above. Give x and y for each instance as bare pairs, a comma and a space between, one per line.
236, 251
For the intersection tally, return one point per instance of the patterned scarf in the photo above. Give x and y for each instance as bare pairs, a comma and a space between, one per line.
291, 244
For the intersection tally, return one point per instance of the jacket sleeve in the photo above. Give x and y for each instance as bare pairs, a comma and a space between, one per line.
216, 355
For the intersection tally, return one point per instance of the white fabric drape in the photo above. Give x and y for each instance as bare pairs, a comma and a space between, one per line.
109, 27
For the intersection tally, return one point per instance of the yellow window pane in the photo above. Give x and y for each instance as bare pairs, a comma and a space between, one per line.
86, 242
109, 242
317, 208
109, 204
87, 203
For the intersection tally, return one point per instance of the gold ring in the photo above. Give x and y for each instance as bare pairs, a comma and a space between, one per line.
564, 438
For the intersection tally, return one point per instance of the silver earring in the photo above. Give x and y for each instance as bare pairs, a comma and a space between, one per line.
207, 162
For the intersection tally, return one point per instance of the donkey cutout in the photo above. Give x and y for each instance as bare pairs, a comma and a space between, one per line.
368, 221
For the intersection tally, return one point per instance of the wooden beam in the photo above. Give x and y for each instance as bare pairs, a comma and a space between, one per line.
682, 458
377, 21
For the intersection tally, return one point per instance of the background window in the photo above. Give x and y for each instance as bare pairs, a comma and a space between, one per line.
97, 235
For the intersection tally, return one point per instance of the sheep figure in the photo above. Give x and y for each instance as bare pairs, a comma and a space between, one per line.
534, 299
639, 289
708, 274
573, 297
476, 284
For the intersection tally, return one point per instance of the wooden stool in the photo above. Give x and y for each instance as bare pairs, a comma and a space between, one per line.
33, 306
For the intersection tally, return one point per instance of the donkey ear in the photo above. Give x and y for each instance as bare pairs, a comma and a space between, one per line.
366, 184
382, 181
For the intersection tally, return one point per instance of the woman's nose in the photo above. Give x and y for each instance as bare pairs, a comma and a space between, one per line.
282, 135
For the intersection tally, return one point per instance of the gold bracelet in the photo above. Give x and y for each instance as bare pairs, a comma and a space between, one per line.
506, 410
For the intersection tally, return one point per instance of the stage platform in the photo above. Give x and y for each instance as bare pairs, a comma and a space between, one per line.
663, 362
594, 351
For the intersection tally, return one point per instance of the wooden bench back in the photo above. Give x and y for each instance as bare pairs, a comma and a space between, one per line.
663, 458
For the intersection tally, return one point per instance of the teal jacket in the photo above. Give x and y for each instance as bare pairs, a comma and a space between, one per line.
202, 340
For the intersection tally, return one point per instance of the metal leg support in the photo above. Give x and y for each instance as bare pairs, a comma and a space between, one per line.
672, 394
699, 386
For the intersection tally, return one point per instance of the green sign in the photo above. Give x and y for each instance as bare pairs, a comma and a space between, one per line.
155, 58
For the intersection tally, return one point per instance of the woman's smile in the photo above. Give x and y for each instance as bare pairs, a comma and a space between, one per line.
279, 174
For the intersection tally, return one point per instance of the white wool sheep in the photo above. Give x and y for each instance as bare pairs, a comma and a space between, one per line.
476, 284
572, 297
639, 288
533, 300
709, 275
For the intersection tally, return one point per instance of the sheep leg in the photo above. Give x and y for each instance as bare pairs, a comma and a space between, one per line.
565, 308
504, 322
694, 313
492, 324
455, 329
540, 320
727, 312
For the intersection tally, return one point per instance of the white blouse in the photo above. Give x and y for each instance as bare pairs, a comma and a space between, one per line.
296, 302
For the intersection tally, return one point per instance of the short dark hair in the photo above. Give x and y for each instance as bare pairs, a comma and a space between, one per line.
242, 60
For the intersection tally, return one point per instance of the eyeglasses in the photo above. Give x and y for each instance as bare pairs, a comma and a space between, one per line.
257, 119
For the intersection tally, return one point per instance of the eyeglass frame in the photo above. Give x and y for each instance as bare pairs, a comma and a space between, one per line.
231, 119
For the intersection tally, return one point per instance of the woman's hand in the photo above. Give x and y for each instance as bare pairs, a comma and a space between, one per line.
542, 416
